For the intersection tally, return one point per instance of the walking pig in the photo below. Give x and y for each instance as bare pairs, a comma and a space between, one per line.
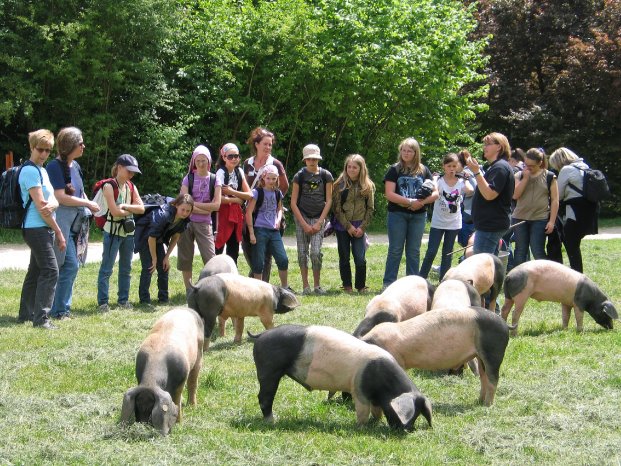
445, 339
486, 273
546, 280
170, 356
221, 263
323, 358
403, 299
231, 295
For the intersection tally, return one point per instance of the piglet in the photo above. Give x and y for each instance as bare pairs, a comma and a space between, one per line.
323, 358
220, 263
484, 271
231, 295
546, 280
170, 356
405, 298
445, 339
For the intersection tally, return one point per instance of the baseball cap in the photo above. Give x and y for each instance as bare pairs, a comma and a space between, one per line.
129, 162
311, 151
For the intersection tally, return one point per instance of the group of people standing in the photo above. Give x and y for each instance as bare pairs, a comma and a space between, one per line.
245, 201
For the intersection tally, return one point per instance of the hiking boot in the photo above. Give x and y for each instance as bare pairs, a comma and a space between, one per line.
347, 289
363, 290
128, 306
320, 291
104, 308
307, 291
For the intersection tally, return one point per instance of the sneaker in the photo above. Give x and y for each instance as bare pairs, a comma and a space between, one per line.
436, 269
104, 308
289, 289
47, 325
320, 291
307, 291
126, 305
363, 290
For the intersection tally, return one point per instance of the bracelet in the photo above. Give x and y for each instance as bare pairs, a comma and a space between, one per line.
476, 174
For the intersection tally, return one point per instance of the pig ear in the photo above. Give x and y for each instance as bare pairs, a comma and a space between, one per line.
610, 310
128, 411
165, 412
288, 299
423, 406
403, 406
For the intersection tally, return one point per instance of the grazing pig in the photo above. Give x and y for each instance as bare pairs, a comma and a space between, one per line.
486, 273
546, 280
455, 293
445, 339
170, 356
323, 358
405, 298
231, 295
221, 263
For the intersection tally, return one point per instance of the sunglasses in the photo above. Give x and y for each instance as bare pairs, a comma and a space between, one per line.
232, 156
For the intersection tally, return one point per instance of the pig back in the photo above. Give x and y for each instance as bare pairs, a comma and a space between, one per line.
543, 280
247, 296
478, 269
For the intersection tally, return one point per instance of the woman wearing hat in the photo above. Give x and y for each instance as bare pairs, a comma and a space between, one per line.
311, 200
117, 237
66, 178
206, 192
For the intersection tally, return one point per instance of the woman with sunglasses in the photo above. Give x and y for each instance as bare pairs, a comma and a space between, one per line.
39, 231
235, 191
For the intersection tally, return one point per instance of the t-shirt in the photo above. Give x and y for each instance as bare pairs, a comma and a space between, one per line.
447, 208
200, 193
533, 204
312, 191
406, 185
495, 215
29, 178
251, 173
266, 215
234, 181
65, 214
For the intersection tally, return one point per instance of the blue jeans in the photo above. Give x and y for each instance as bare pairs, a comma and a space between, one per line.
268, 242
66, 277
405, 229
124, 247
145, 275
40, 281
348, 244
435, 236
530, 235
487, 241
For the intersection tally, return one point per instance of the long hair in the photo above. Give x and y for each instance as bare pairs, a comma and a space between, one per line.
416, 168
67, 140
367, 187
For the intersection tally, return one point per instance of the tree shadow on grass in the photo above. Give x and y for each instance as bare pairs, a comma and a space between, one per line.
11, 321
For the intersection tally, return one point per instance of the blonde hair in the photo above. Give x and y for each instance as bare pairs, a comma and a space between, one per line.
367, 187
502, 141
416, 168
561, 157
41, 135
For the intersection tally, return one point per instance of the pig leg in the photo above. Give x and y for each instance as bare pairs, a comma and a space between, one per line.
221, 325
239, 329
520, 302
363, 409
579, 313
177, 399
566, 310
506, 308
193, 382
268, 386
483, 379
376, 412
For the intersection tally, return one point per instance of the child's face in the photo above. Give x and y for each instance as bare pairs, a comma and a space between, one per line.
451, 168
232, 159
270, 180
184, 210
311, 162
353, 171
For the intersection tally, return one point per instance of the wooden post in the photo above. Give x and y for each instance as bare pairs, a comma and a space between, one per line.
8, 160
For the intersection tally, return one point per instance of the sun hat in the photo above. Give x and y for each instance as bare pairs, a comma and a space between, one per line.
311, 151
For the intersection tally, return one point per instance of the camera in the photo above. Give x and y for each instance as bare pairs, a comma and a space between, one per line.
425, 190
129, 225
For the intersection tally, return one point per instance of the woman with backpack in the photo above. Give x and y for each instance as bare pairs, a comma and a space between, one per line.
40, 231
75, 208
206, 192
235, 191
123, 201
161, 228
536, 193
578, 215
353, 205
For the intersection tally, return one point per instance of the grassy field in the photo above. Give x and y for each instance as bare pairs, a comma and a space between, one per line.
61, 391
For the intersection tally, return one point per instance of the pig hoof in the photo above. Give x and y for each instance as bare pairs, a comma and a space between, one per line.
269, 419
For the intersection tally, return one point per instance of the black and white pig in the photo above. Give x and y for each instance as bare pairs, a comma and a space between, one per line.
455, 293
447, 338
546, 280
403, 299
231, 295
323, 358
169, 357
220, 263
484, 271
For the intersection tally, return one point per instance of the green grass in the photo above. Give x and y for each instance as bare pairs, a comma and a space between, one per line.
61, 391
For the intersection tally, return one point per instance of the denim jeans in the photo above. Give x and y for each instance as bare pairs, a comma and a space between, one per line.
66, 277
435, 236
405, 229
268, 242
487, 241
124, 247
348, 244
145, 275
40, 281
530, 235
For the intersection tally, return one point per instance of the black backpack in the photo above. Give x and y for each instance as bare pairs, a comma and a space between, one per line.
594, 185
259, 203
12, 210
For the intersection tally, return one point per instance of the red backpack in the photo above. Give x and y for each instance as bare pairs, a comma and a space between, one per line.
103, 215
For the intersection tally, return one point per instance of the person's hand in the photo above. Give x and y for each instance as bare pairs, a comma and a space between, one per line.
93, 206
352, 231
549, 227
253, 240
473, 164
526, 174
47, 209
60, 241
226, 190
308, 229
166, 264
153, 265
416, 204
359, 232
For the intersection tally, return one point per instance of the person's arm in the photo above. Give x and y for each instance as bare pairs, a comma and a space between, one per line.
136, 206
369, 211
521, 181
46, 208
171, 247
484, 188
468, 189
326, 208
554, 206
249, 224
207, 208
152, 250
243, 195
295, 194
283, 181
392, 196
74, 201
